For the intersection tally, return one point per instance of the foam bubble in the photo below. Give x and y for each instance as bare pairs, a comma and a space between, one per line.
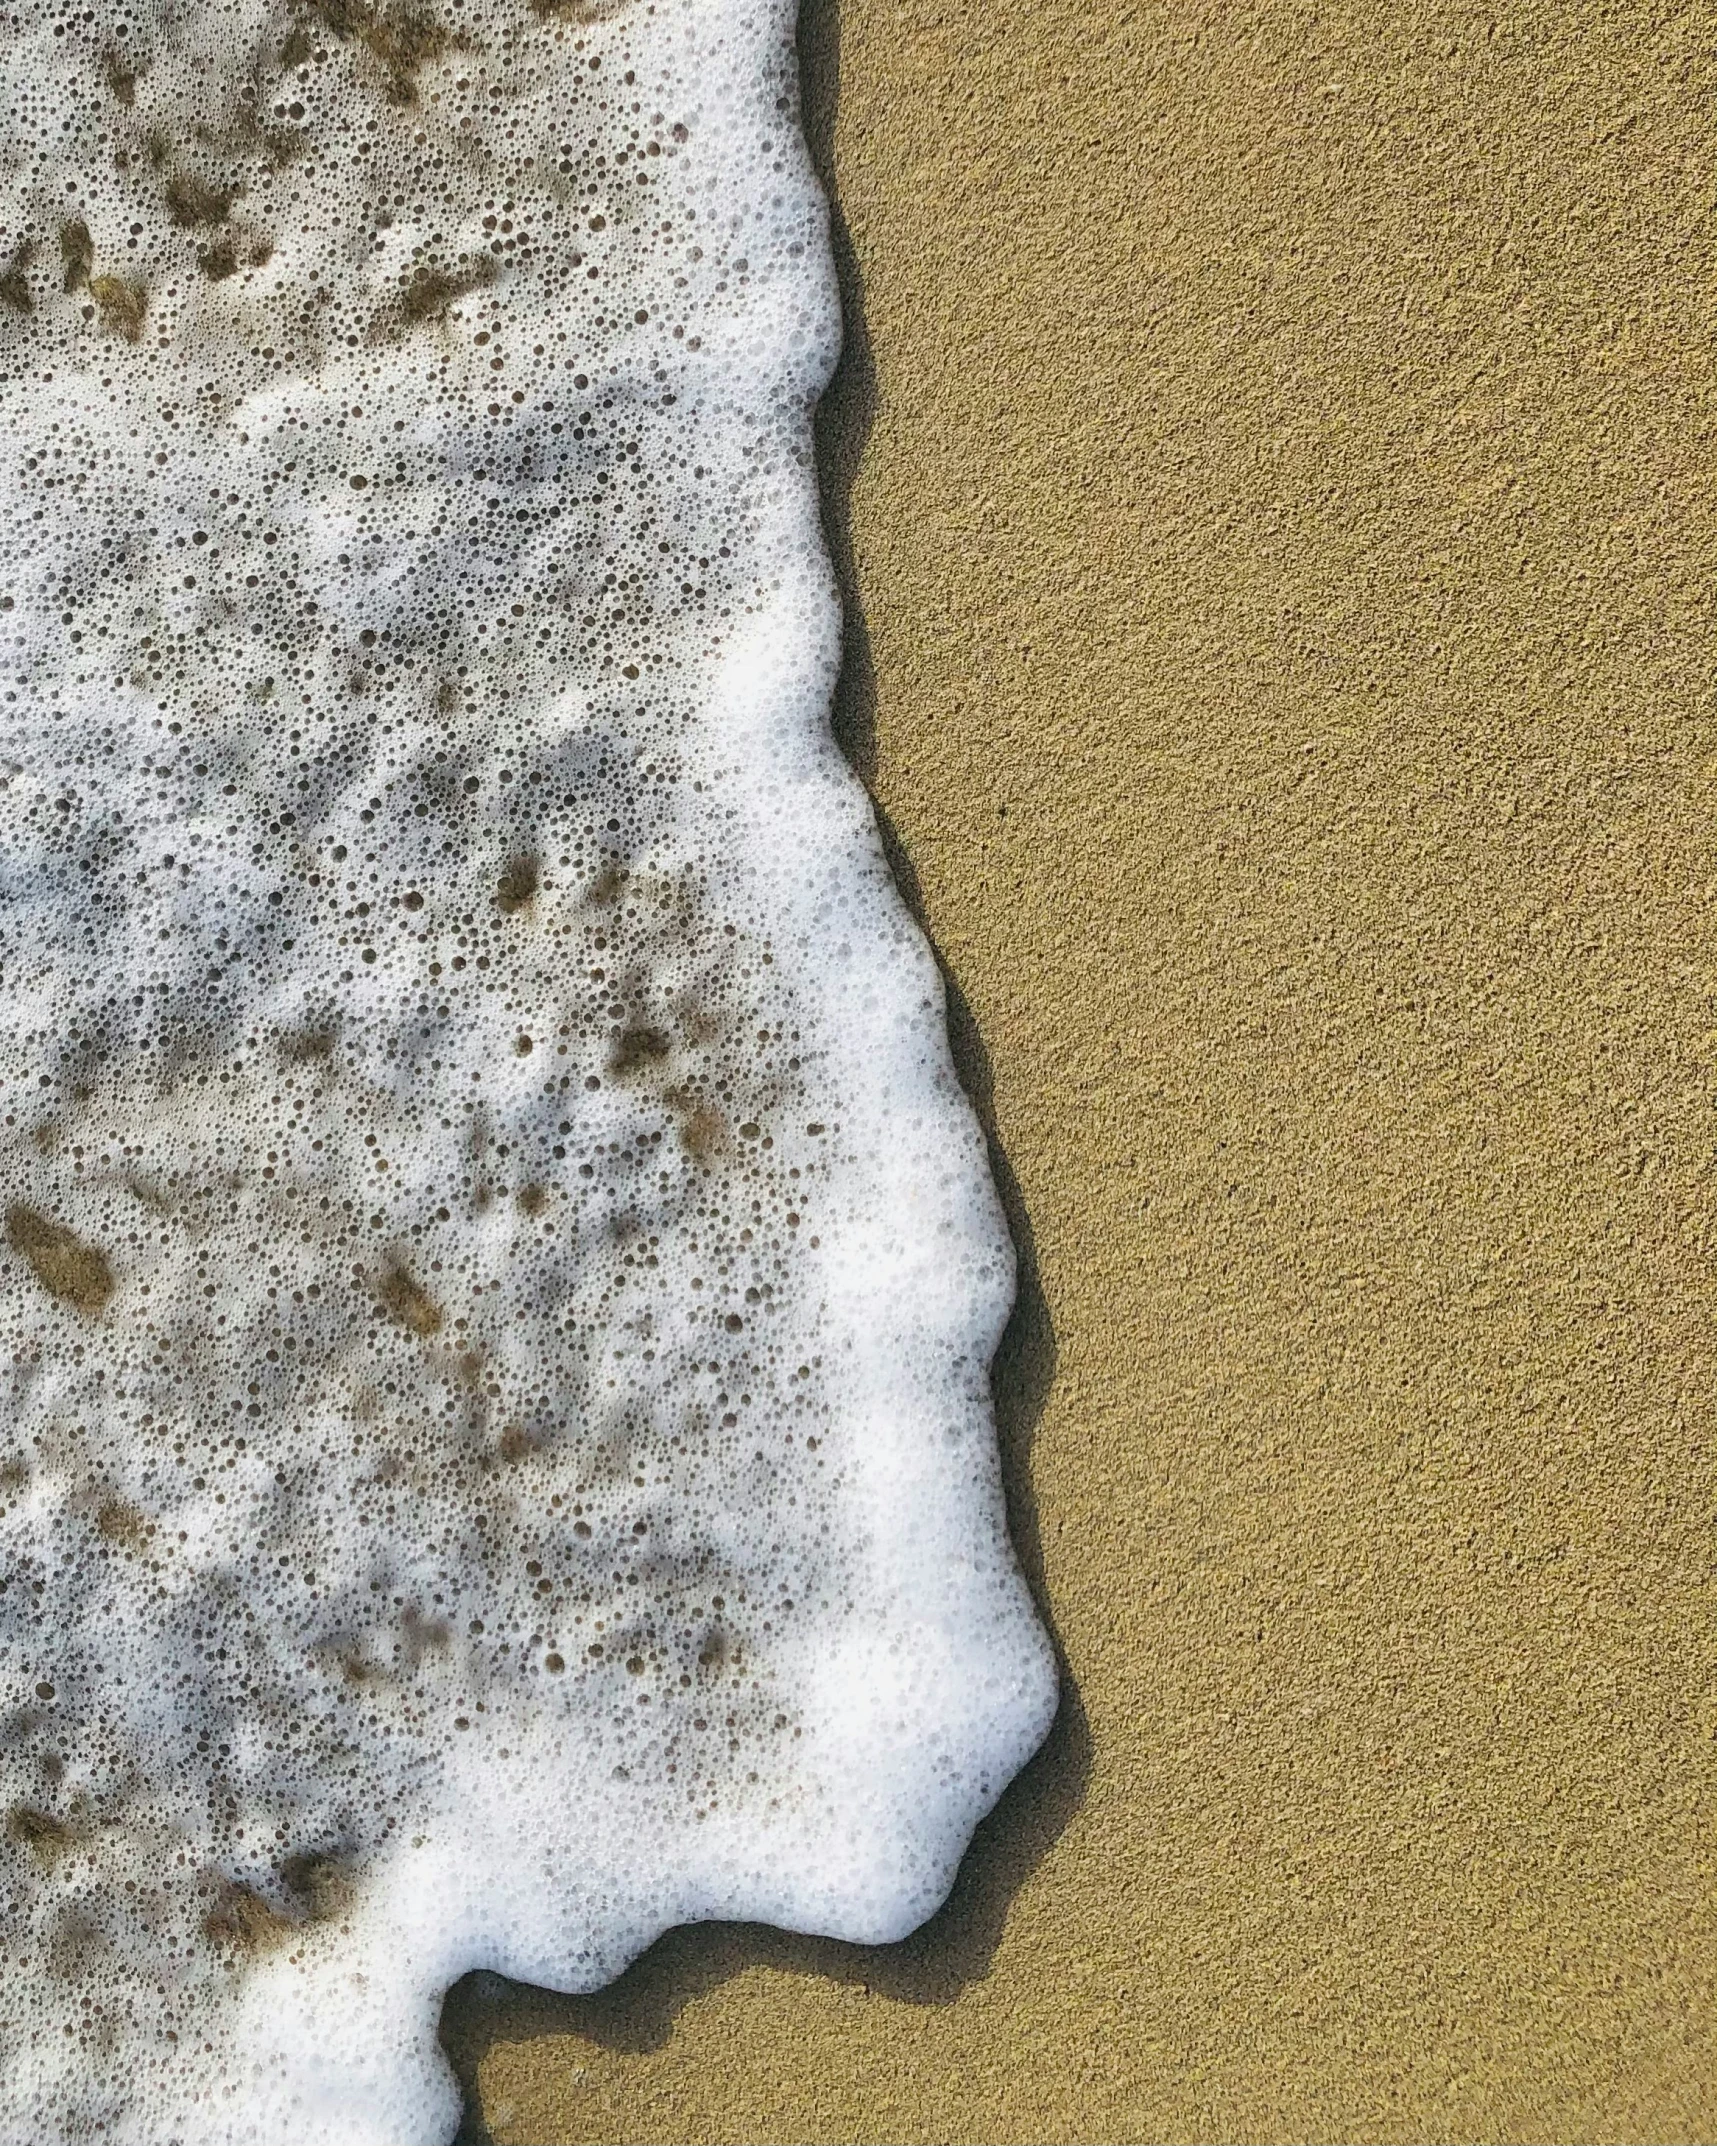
499, 1278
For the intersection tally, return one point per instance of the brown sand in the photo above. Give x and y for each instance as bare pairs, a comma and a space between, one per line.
1286, 546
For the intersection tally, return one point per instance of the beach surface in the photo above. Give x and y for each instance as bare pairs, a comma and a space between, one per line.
1273, 469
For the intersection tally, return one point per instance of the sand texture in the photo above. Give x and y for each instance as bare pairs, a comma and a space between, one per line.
1275, 469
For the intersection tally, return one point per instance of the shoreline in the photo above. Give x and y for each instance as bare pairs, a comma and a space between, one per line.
1271, 471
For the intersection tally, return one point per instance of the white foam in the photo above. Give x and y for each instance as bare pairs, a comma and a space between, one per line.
499, 1276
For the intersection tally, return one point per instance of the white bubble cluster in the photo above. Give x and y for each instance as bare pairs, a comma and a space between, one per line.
498, 1278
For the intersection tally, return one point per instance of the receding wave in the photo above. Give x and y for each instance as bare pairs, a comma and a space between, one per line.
498, 1278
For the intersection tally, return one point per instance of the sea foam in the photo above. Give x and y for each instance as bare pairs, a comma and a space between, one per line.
499, 1278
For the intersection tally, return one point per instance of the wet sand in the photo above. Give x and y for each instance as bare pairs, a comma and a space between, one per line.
1273, 477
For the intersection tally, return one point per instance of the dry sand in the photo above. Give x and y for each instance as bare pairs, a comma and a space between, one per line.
1285, 547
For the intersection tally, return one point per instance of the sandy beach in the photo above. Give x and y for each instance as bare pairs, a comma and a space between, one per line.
1271, 479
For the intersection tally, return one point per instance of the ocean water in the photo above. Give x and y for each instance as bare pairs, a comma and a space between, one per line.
498, 1277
